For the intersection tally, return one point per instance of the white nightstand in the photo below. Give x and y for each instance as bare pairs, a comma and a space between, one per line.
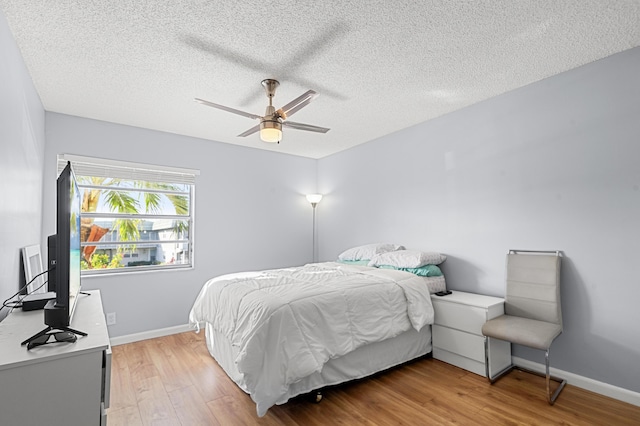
457, 332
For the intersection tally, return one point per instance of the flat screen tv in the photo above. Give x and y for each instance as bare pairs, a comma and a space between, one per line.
58, 312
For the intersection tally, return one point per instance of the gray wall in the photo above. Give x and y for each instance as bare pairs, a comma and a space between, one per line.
21, 158
250, 213
554, 165
550, 166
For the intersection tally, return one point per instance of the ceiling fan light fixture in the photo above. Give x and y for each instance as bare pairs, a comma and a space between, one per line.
270, 130
270, 127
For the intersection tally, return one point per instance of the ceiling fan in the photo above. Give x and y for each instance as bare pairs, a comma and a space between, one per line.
271, 123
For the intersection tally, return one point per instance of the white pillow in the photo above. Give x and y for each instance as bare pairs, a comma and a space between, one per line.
368, 251
407, 259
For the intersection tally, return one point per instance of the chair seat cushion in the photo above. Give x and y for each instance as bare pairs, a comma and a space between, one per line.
522, 331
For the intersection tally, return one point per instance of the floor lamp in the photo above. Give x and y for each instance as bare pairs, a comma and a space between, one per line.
314, 199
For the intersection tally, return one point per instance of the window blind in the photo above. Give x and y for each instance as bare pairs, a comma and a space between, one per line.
90, 166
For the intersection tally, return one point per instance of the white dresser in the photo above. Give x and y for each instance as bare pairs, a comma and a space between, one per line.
457, 332
56, 384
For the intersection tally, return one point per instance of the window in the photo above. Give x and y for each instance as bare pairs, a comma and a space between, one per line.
134, 217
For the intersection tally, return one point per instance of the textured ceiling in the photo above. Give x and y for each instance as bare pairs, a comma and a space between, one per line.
379, 66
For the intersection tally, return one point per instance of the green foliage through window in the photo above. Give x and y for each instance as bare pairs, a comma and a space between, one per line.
129, 223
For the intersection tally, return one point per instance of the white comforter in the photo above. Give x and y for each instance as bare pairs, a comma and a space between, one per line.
287, 323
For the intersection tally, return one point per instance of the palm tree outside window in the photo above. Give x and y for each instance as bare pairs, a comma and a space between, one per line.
134, 217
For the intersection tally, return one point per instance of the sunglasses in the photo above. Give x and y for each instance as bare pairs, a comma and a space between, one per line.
59, 336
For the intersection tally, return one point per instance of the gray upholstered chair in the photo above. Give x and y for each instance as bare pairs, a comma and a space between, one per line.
533, 315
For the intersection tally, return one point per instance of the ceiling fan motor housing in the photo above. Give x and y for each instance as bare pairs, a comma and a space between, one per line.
269, 123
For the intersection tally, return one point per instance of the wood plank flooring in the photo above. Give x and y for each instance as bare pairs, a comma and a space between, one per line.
173, 380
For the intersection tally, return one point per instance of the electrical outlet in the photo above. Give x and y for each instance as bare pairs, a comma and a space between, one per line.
111, 318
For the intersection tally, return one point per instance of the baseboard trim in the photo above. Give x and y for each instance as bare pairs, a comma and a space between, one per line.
151, 334
601, 388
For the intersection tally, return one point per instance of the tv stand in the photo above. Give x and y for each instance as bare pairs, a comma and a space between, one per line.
48, 329
56, 384
55, 318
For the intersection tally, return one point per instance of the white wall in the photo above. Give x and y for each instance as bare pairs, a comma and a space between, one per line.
21, 157
250, 213
554, 165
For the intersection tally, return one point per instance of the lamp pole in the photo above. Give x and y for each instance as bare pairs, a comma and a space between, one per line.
314, 199
313, 234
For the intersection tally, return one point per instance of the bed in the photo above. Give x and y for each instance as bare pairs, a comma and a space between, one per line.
286, 332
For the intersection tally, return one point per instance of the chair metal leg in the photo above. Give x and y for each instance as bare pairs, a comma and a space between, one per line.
551, 398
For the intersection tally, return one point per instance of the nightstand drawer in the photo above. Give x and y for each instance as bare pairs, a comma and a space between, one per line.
461, 317
459, 342
459, 361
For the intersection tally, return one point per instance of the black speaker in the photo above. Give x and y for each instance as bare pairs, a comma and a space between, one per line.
51, 261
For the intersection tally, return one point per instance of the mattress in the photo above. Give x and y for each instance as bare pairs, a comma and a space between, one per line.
435, 284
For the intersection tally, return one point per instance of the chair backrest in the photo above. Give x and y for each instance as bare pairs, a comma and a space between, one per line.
533, 287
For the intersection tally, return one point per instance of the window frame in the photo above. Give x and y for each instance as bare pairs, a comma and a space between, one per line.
100, 167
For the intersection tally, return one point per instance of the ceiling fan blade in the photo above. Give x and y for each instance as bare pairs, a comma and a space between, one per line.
250, 131
228, 109
302, 126
296, 104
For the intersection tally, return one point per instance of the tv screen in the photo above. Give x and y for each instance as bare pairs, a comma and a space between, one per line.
58, 313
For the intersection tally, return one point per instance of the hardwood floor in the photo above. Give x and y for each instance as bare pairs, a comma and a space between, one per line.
173, 380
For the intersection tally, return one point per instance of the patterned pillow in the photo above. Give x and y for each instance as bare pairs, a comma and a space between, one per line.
368, 251
407, 259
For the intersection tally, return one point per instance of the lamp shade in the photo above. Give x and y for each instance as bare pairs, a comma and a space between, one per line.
314, 198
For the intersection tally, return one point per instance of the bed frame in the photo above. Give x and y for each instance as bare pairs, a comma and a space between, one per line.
364, 361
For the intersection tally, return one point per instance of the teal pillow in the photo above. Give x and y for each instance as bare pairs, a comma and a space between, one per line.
423, 271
